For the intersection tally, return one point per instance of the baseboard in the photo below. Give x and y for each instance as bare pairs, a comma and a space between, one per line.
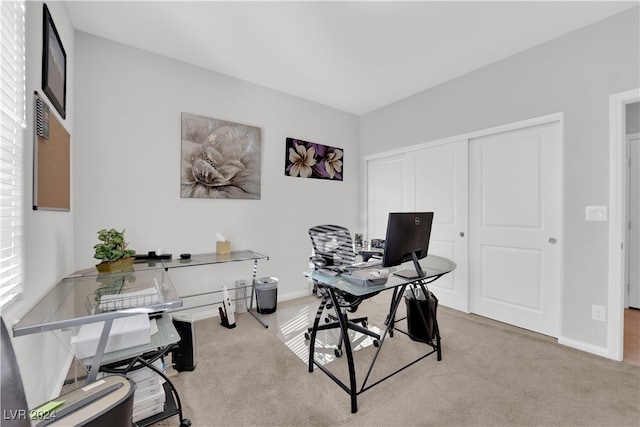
294, 295
200, 314
589, 348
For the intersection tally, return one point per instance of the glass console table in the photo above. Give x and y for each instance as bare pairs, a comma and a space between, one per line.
214, 258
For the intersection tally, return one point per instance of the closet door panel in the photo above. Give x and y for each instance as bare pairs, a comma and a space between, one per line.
441, 186
386, 186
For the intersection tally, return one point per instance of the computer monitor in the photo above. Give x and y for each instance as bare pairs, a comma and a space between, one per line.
408, 235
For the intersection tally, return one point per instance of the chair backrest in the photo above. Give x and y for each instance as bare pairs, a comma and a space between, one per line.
333, 243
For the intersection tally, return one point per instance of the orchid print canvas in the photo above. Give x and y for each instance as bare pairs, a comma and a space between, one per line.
310, 160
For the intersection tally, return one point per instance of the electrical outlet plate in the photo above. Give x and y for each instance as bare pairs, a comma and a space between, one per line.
595, 213
599, 313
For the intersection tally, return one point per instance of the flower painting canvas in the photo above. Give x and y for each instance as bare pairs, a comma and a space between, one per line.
220, 159
310, 160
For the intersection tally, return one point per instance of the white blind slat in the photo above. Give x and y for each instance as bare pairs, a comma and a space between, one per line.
12, 125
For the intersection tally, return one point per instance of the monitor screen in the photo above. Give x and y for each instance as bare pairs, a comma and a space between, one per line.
408, 235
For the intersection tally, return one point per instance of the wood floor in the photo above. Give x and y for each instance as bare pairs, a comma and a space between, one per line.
631, 336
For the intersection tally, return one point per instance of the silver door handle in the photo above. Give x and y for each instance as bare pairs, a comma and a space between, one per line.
462, 234
552, 240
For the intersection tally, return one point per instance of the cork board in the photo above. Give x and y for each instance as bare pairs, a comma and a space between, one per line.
51, 179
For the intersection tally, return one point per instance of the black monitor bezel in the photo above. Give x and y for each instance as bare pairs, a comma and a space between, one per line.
399, 248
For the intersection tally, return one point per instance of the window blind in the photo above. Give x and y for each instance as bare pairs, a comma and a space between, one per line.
12, 134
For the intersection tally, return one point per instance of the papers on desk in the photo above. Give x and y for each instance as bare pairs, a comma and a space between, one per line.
148, 296
126, 332
366, 278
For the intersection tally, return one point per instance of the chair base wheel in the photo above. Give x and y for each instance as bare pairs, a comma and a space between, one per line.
338, 352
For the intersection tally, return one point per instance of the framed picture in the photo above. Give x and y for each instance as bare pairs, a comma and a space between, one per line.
220, 159
306, 159
54, 65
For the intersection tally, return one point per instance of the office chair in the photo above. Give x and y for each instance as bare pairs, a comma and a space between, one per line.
333, 247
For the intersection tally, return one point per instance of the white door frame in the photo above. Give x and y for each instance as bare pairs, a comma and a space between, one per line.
629, 232
617, 222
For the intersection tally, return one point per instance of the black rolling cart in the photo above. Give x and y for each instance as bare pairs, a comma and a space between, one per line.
87, 297
172, 405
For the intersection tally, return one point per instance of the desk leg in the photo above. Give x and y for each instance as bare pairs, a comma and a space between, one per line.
344, 330
390, 323
395, 303
391, 319
314, 330
102, 344
253, 292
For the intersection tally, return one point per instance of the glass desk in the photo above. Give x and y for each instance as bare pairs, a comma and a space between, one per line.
434, 268
88, 297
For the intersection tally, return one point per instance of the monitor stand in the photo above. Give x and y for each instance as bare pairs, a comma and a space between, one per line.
417, 273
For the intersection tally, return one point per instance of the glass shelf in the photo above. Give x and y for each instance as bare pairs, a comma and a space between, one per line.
167, 334
213, 258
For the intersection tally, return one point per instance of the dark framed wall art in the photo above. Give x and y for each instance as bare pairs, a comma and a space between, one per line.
306, 159
54, 65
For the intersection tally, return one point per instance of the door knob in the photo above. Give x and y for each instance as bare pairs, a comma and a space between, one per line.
462, 234
552, 240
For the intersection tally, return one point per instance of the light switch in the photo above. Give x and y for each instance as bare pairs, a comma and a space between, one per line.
595, 213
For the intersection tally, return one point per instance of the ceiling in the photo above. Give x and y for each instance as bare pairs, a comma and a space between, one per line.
354, 56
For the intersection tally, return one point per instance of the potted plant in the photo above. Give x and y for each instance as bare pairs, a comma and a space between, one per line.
113, 252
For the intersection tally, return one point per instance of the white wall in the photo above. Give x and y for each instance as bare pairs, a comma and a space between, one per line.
127, 166
574, 74
48, 235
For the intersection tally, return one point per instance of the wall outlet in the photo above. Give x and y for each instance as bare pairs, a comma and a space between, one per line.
599, 313
595, 213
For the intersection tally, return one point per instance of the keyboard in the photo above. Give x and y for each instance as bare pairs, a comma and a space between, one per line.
368, 264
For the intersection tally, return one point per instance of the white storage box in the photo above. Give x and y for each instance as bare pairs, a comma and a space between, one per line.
149, 401
146, 413
139, 375
149, 382
126, 332
143, 393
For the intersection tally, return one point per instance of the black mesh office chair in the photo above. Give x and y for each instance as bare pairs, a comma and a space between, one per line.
333, 247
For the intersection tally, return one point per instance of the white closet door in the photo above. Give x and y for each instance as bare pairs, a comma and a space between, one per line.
441, 186
515, 205
386, 190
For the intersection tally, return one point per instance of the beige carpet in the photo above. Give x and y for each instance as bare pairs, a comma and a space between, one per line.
491, 375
